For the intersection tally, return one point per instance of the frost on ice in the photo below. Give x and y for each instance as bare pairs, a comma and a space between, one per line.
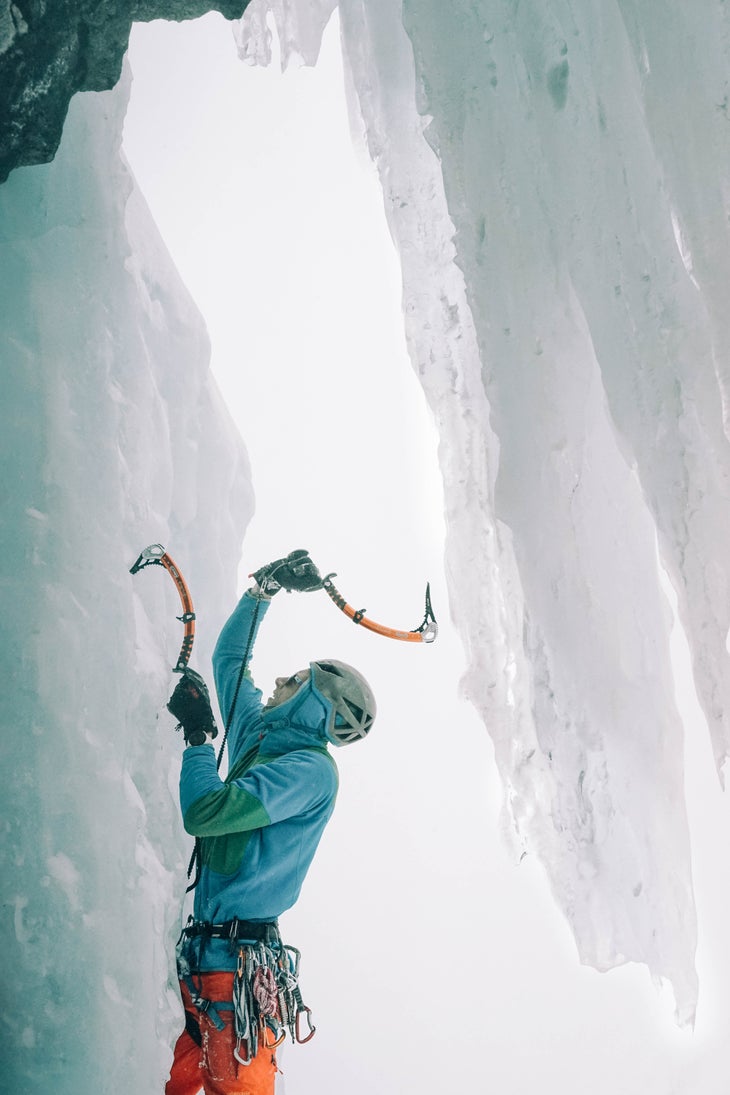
556, 184
117, 437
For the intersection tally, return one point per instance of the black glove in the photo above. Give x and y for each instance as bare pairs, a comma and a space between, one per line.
190, 704
296, 571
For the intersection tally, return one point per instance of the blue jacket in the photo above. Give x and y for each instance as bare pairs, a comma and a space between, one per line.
258, 829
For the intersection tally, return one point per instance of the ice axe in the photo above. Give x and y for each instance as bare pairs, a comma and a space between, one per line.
426, 633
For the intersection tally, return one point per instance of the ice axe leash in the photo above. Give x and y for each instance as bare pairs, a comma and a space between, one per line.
425, 633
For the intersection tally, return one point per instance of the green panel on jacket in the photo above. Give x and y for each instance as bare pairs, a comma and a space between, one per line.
224, 854
228, 815
223, 850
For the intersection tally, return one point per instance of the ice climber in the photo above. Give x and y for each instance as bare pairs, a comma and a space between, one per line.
257, 833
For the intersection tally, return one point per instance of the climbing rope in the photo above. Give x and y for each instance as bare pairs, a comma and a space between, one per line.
195, 859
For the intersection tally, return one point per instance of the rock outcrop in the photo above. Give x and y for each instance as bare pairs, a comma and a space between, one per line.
50, 49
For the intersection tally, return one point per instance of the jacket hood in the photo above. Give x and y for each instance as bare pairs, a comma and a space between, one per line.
299, 723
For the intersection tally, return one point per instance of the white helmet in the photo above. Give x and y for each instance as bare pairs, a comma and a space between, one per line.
353, 703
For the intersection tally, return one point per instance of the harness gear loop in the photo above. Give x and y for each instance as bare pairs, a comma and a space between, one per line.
295, 958
425, 633
266, 998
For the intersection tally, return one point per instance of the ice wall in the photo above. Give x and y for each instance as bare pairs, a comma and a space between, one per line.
114, 436
555, 180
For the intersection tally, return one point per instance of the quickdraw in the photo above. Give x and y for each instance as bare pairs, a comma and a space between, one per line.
267, 1000
426, 633
155, 555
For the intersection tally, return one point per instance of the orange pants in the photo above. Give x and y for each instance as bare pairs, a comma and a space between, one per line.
211, 1067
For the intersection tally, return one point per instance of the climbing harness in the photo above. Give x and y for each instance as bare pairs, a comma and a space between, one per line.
267, 1000
426, 633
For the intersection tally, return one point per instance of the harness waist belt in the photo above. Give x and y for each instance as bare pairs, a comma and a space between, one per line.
251, 930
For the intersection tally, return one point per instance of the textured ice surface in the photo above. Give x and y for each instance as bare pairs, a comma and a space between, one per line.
556, 183
117, 438
557, 191
299, 25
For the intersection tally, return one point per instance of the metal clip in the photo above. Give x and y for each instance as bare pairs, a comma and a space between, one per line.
295, 958
312, 1029
242, 1060
271, 1045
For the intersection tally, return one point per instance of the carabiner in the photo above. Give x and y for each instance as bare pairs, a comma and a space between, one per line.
271, 1045
312, 1029
294, 958
247, 1061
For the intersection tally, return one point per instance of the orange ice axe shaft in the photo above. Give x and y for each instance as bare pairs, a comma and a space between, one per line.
426, 633
155, 555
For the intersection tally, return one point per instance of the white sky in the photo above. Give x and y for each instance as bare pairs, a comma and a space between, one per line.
431, 962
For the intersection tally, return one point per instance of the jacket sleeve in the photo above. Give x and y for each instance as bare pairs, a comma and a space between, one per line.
227, 659
288, 786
